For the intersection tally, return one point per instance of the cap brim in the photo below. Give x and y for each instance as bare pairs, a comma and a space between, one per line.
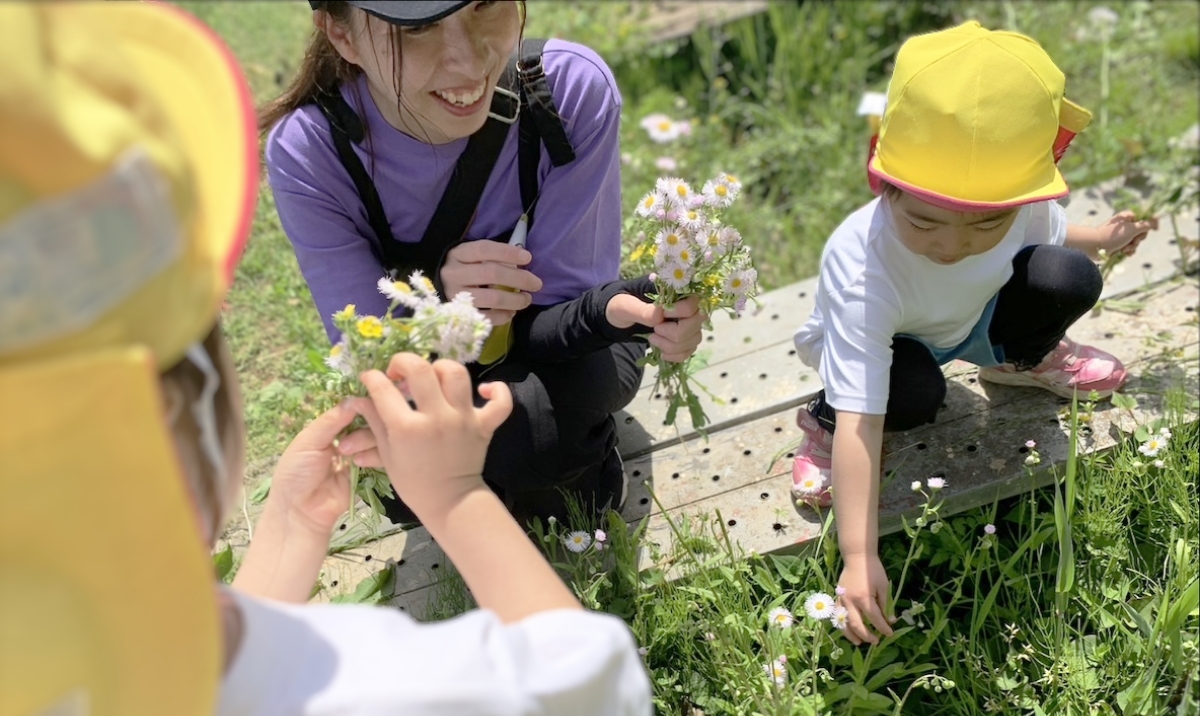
1056, 189
410, 12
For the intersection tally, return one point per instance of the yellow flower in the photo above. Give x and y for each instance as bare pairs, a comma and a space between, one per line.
712, 280
653, 251
346, 313
637, 253
369, 327
336, 351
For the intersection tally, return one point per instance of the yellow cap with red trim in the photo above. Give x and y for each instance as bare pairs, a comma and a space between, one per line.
973, 120
128, 175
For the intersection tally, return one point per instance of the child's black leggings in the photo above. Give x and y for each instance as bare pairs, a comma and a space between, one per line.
1051, 288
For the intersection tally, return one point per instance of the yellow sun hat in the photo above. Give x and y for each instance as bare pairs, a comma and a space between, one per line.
128, 176
975, 120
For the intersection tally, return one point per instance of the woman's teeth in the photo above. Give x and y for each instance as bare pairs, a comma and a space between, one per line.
462, 100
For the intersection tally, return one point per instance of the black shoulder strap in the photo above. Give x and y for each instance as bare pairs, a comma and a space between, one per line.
540, 123
522, 92
346, 127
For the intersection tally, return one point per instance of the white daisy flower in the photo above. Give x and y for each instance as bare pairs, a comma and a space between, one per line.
776, 671
687, 255
676, 191
936, 483
840, 617
741, 283
819, 606
650, 204
720, 194
677, 275
1103, 17
398, 292
810, 485
670, 242
661, 128
463, 329
339, 359
1031, 444
1164, 433
692, 219
1160, 464
707, 238
729, 237
578, 541
989, 529
916, 485
1153, 445
780, 617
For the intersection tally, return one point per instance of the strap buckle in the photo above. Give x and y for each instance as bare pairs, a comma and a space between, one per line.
505, 96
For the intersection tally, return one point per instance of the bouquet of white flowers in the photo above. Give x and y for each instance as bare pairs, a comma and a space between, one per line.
455, 330
688, 251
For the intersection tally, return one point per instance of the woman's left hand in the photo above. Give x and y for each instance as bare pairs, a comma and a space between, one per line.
677, 332
311, 483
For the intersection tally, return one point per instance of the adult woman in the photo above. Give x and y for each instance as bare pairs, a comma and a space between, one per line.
148, 203
421, 77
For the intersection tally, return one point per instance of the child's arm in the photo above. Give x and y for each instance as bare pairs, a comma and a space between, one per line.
434, 456
310, 490
857, 443
1122, 233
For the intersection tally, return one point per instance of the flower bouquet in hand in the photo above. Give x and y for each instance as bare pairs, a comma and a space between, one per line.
688, 251
454, 330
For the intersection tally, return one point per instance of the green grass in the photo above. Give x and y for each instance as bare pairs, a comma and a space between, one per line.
1084, 601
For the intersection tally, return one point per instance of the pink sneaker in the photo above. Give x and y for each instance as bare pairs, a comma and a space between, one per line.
1069, 368
811, 469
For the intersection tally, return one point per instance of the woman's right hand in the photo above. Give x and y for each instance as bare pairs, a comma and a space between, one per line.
483, 269
433, 453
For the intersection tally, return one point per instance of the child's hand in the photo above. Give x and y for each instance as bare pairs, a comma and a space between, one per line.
1122, 233
311, 481
866, 598
677, 332
434, 453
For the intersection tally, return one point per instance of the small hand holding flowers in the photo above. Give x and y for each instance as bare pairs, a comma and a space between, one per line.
453, 330
692, 257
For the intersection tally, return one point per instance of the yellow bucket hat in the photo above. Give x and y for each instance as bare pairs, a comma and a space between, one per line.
128, 175
976, 120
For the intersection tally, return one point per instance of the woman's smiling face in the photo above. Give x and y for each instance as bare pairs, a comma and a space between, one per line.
447, 71
946, 237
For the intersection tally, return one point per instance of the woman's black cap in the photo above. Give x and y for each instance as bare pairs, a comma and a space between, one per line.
405, 12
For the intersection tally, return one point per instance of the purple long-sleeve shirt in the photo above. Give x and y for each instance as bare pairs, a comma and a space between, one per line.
575, 240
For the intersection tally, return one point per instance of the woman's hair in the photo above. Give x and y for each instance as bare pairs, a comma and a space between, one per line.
320, 71
323, 68
182, 386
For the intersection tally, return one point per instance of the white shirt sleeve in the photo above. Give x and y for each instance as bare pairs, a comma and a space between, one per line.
312, 660
856, 359
1047, 224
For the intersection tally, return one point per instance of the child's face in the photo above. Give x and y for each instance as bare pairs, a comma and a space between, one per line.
947, 237
448, 70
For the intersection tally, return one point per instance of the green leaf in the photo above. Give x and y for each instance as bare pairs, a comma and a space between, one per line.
883, 676
372, 590
1142, 625
1123, 401
223, 564
260, 491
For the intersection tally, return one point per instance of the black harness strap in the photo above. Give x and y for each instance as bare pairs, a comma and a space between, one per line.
522, 92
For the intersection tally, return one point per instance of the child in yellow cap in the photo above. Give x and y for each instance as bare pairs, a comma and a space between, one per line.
128, 177
966, 255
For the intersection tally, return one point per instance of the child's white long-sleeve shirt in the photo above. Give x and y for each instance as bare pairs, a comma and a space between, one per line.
318, 659
872, 288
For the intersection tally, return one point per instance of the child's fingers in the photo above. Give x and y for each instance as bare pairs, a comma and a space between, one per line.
369, 458
878, 615
422, 381
324, 429
357, 441
856, 628
375, 420
683, 309
456, 384
386, 400
498, 407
